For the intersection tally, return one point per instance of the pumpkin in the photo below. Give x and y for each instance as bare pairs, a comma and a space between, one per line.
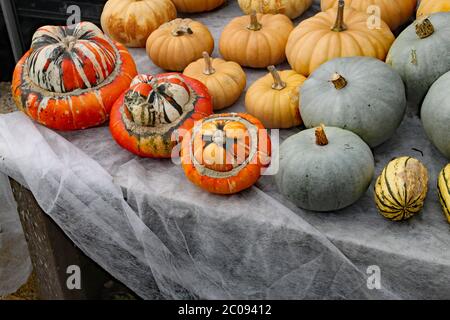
428, 7
225, 80
394, 12
444, 190
274, 99
401, 189
152, 116
291, 8
435, 114
335, 33
131, 22
324, 169
225, 153
257, 40
175, 44
71, 77
360, 94
194, 6
420, 55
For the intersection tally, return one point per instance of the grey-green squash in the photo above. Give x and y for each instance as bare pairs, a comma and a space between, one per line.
421, 54
324, 169
435, 114
360, 94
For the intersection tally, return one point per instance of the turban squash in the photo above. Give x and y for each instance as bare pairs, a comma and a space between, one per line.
401, 189
428, 7
444, 190
291, 8
335, 33
226, 153
394, 12
194, 6
71, 77
130, 22
150, 118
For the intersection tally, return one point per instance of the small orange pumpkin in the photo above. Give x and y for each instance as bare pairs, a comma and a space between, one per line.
257, 40
175, 44
194, 6
428, 7
226, 153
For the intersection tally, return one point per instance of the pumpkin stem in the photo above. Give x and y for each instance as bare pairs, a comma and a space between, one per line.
208, 64
338, 81
424, 28
278, 84
182, 30
339, 25
254, 24
321, 137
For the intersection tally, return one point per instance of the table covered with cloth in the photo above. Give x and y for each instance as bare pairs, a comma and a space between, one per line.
148, 226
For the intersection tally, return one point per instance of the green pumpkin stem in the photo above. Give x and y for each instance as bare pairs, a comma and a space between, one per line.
278, 84
424, 28
209, 70
339, 25
182, 30
254, 23
321, 137
339, 81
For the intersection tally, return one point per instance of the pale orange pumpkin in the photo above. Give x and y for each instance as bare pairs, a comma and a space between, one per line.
333, 34
256, 40
130, 22
394, 12
428, 7
225, 80
291, 8
175, 44
193, 6
274, 99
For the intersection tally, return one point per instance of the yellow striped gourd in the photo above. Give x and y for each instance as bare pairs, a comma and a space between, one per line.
401, 189
444, 190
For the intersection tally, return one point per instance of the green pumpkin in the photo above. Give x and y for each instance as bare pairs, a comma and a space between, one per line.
360, 94
324, 169
421, 54
435, 114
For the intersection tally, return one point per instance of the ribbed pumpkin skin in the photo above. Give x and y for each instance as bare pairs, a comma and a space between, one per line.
428, 7
420, 62
225, 85
130, 22
256, 49
324, 178
394, 12
372, 104
444, 190
152, 131
276, 109
312, 43
194, 6
401, 189
435, 114
70, 78
291, 8
175, 53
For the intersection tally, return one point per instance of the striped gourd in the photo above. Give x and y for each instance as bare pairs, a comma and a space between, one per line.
401, 189
444, 190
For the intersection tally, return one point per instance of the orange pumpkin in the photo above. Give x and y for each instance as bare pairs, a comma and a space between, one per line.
194, 6
226, 153
152, 116
428, 7
394, 12
336, 33
71, 77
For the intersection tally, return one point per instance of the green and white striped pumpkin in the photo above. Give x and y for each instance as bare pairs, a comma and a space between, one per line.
401, 189
444, 190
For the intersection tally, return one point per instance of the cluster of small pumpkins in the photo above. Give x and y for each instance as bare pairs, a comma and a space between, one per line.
77, 77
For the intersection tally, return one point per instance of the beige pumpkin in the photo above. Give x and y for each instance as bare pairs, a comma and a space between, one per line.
274, 99
175, 44
225, 80
193, 6
256, 40
290, 8
131, 22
